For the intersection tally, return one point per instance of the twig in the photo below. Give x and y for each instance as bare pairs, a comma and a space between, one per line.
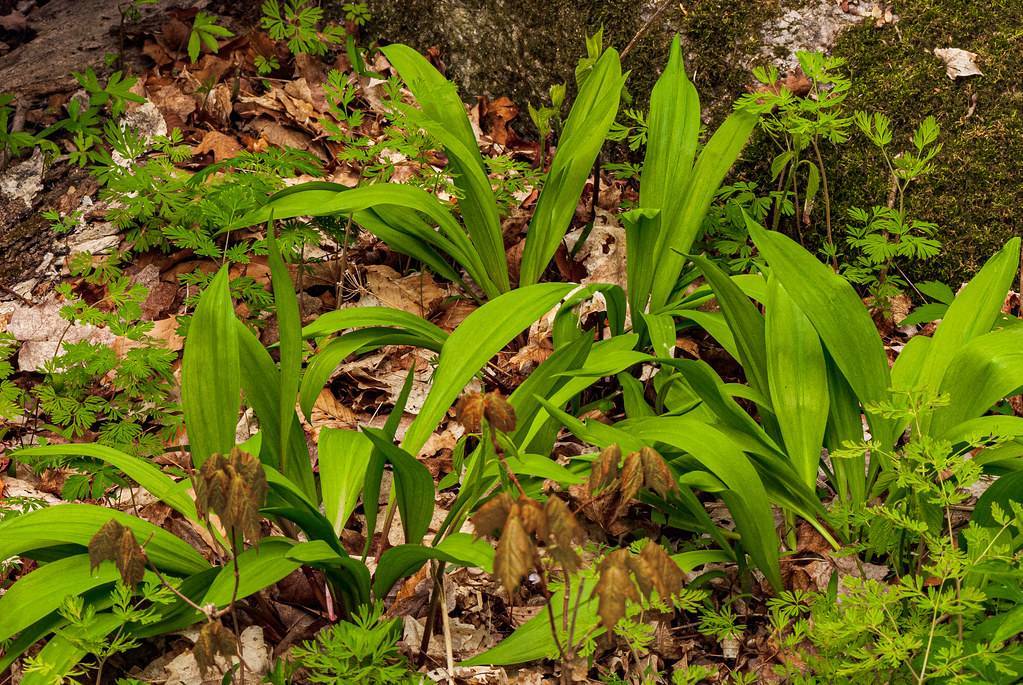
646, 27
449, 651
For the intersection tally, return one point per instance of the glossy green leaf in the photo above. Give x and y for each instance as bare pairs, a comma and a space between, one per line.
210, 375
143, 472
583, 135
479, 337
413, 485
458, 549
289, 324
75, 524
838, 315
682, 217
343, 457
798, 381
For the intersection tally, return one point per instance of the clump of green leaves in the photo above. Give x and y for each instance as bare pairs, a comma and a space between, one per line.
298, 23
363, 650
205, 32
947, 615
799, 125
883, 236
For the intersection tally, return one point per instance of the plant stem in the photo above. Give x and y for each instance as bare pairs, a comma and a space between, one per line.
827, 198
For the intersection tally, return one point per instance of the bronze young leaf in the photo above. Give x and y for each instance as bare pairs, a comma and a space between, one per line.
474, 407
656, 474
115, 542
214, 639
604, 469
515, 554
490, 518
614, 588
233, 487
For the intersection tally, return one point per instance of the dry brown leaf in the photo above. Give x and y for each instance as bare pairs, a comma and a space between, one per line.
329, 412
221, 145
416, 293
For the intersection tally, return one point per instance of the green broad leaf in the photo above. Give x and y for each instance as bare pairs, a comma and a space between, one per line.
75, 524
289, 323
413, 485
982, 372
925, 313
210, 374
533, 639
482, 334
539, 466
143, 472
458, 549
435, 94
351, 576
746, 496
798, 381
937, 291
544, 381
838, 315
258, 568
343, 458
477, 203
971, 314
715, 325
606, 358
744, 320
673, 127
41, 592
1005, 491
985, 427
588, 122
369, 317
687, 206
261, 382
320, 199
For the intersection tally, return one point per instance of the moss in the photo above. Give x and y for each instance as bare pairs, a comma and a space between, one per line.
976, 188
518, 48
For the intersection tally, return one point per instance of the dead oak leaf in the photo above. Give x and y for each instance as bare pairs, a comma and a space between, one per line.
221, 145
416, 293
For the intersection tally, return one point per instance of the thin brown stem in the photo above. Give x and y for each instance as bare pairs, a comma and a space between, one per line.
827, 199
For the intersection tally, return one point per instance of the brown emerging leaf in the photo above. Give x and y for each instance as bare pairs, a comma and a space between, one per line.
614, 588
474, 407
515, 554
604, 469
234, 488
565, 532
115, 542
214, 639
498, 412
656, 474
532, 516
469, 411
631, 482
655, 569
490, 518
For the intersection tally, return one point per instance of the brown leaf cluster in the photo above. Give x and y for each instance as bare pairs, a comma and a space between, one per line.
214, 639
525, 527
233, 487
475, 407
115, 542
613, 484
623, 577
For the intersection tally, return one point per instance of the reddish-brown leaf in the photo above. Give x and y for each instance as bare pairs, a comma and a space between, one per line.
214, 639
515, 554
604, 469
490, 518
115, 542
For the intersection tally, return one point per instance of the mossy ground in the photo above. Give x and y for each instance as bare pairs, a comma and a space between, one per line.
975, 192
